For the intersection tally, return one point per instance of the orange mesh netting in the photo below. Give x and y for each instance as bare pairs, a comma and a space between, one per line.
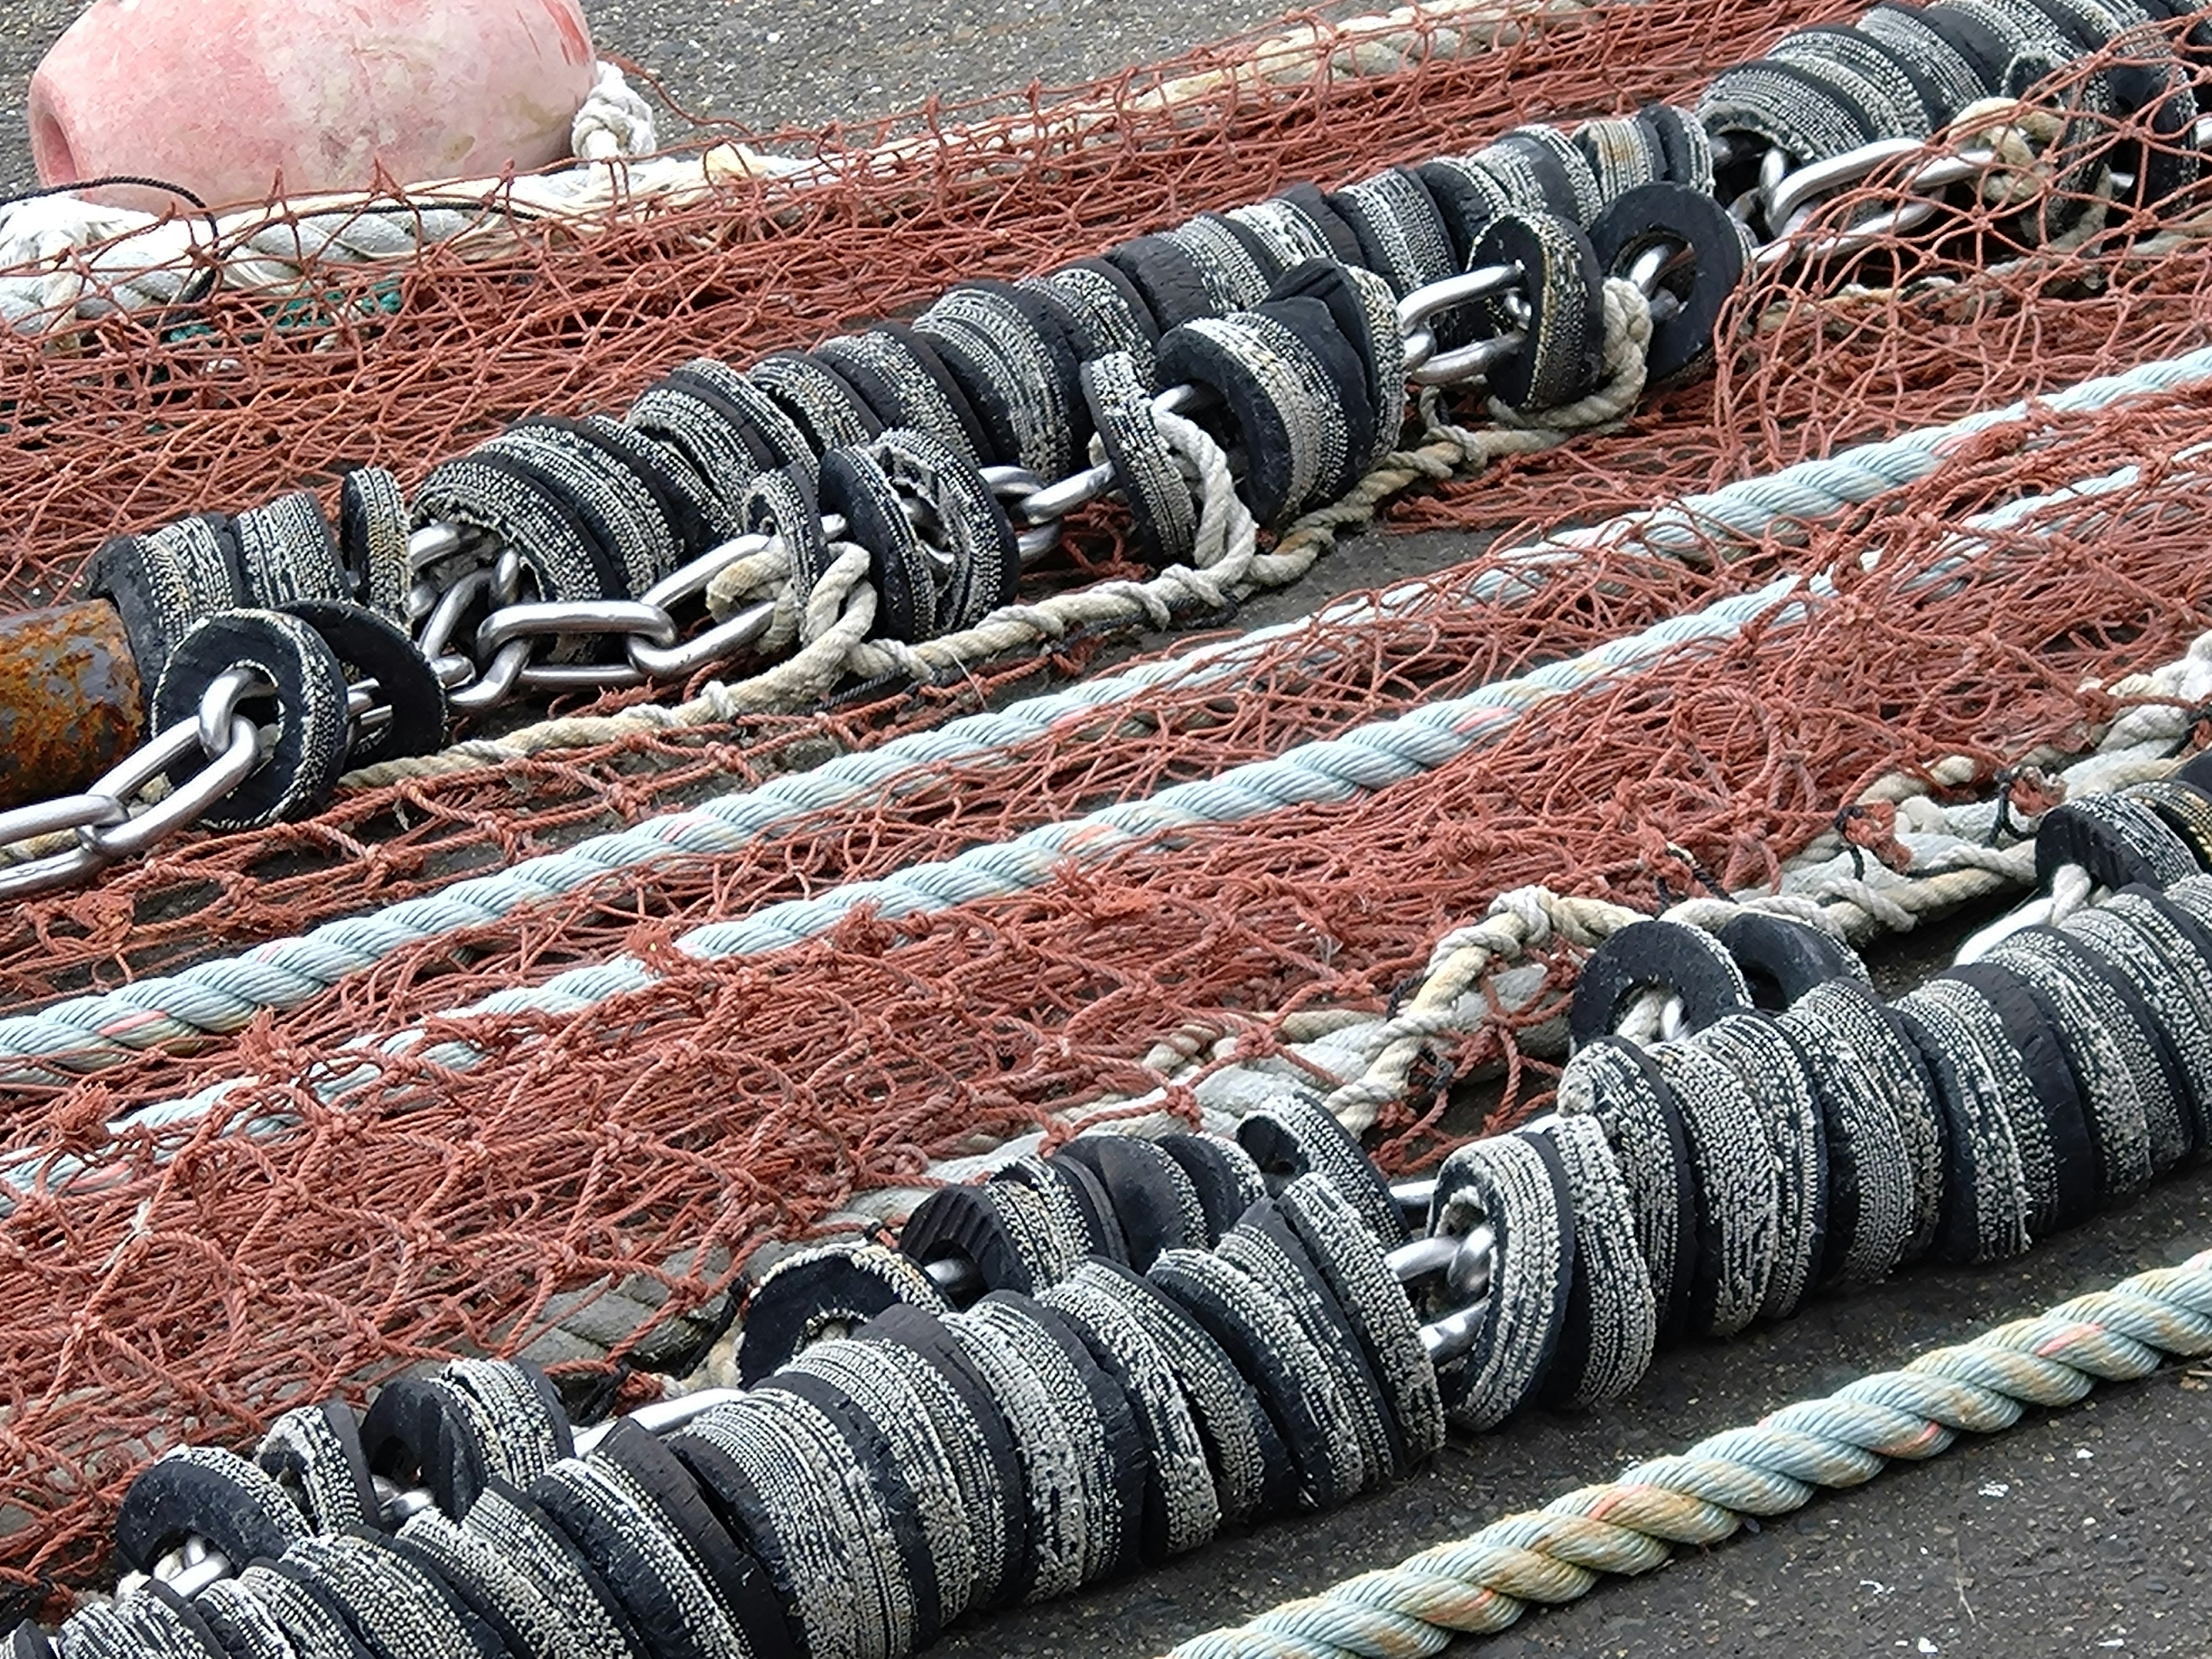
208, 1279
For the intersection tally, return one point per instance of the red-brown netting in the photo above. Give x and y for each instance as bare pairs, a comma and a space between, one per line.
210, 1276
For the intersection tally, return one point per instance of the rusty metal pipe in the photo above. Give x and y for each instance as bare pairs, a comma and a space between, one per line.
71, 700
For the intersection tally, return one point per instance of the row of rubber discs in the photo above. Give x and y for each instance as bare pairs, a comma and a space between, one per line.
2003, 1099
1006, 1452
1905, 71
868, 426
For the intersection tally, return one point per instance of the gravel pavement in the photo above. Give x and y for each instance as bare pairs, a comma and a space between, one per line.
2082, 1532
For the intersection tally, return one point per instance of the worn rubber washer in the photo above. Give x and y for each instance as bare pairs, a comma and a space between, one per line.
1782, 960
1081, 1207
2032, 1023
1739, 1198
1329, 237
1684, 145
666, 1595
416, 1433
2117, 839
1985, 1196
207, 1492
1048, 1233
1181, 1508
1658, 216
971, 525
868, 1448
1914, 100
1517, 1185
509, 1634
1360, 304
314, 1630
505, 1520
819, 401
1611, 1323
1294, 1134
243, 1628
1167, 280
370, 647
1163, 513
1622, 153
1264, 1340
2183, 940
884, 1383
1656, 955
1236, 268
1155, 1204
1222, 1173
1467, 197
1007, 348
2183, 808
303, 763
27, 1640
1376, 1307
758, 421
177, 1626
853, 485
504, 1596
1061, 1223
1841, 1030
1253, 1474
1264, 1245
1110, 313
825, 1291
1779, 1078
2114, 1056
784, 505
1403, 237
372, 529
598, 519
2127, 1007
397, 1609
317, 1450
907, 385
2159, 977
1562, 356
1618, 1084
286, 552
517, 1412
987, 1461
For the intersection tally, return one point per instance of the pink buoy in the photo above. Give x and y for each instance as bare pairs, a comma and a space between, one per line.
237, 98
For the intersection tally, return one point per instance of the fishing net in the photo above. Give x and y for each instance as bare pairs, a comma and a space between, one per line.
203, 1276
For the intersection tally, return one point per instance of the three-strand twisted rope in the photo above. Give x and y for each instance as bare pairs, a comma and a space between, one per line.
1483, 1582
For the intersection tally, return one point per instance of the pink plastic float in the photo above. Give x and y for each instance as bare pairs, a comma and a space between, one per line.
235, 99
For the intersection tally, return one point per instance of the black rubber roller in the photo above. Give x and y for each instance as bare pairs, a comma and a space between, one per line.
1780, 1079
302, 764
2184, 809
1782, 959
1662, 216
826, 1291
2117, 839
1166, 278
1293, 1135
316, 1450
960, 1224
204, 1491
2032, 1023
417, 1433
1611, 1322
1157, 1205
1657, 956
1562, 356
1986, 1197
1228, 1182
1069, 1184
1517, 1185
368, 647
853, 485
1739, 1197
1621, 1087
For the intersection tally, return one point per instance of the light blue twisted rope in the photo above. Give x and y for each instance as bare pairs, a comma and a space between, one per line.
1482, 1583
1367, 758
85, 1034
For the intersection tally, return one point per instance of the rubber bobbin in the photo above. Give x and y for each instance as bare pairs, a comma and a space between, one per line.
1291, 232
827, 1290
206, 1493
1685, 148
529, 1618
372, 527
1618, 1085
1841, 1030
1401, 236
964, 519
1264, 1246
934, 1549
1222, 1173
783, 505
1909, 101
2030, 1020
2116, 839
1561, 358
1262, 1336
2182, 939
513, 500
1008, 349
1611, 1323
1467, 197
676, 496
1291, 393
287, 552
154, 595
2184, 808
1985, 1198
301, 763
1359, 303
1702, 281
315, 1630
1350, 1259
1080, 1204
907, 385
1236, 271
1682, 961
1783, 960
243, 1628
399, 1609
417, 1434
1167, 280
1516, 1185
316, 1453
2164, 979
1308, 201
1163, 515
855, 486
368, 645
1294, 1134
633, 544
962, 1224
1778, 1078
1155, 1206
1108, 313
1622, 153
506, 1522
1739, 1198
985, 1460
818, 400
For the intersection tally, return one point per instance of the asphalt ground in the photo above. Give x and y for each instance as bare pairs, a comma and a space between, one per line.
2080, 1532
